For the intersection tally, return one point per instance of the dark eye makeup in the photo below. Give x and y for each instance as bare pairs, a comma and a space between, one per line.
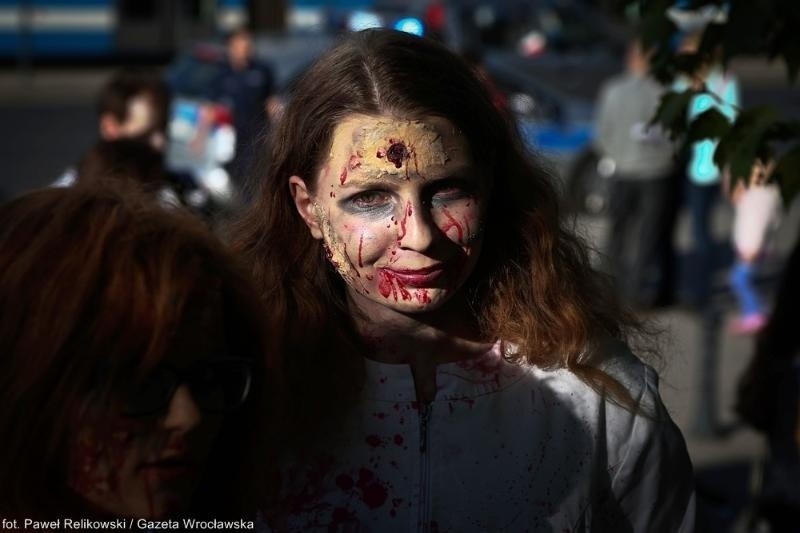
380, 202
451, 190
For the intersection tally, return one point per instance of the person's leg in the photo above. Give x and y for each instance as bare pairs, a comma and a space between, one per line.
667, 290
647, 263
701, 201
755, 211
741, 280
621, 208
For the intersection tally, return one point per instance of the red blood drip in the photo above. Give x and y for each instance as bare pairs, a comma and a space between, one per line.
404, 294
386, 287
397, 153
422, 296
452, 223
343, 175
403, 222
100, 455
373, 493
360, 244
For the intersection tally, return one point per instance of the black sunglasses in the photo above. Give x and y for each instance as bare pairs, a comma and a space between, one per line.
217, 386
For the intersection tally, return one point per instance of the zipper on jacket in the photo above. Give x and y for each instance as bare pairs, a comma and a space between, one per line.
423, 522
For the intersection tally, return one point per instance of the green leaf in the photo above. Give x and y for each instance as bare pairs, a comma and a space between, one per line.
710, 124
672, 112
745, 141
785, 130
791, 55
787, 173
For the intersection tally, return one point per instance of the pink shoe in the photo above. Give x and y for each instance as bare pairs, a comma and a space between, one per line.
749, 324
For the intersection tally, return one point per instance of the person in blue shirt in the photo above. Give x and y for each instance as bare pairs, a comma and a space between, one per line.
246, 86
720, 90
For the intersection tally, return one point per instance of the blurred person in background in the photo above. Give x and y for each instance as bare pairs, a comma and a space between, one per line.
136, 163
769, 400
720, 90
246, 87
132, 105
133, 370
455, 362
757, 208
642, 158
130, 161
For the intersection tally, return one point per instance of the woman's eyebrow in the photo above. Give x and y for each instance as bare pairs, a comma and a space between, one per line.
371, 179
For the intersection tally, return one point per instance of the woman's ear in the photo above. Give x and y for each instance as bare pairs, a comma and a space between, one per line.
305, 205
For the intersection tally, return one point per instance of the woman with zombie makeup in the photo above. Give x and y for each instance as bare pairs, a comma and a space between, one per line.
455, 363
131, 362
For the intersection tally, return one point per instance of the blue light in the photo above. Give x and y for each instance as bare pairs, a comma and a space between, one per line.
363, 20
410, 25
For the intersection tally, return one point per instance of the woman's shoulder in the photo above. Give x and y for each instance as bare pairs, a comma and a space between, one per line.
616, 361
635, 434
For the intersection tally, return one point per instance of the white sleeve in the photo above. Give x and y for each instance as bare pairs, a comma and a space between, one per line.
653, 482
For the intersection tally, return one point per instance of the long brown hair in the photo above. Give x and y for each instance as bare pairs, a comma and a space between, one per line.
93, 281
534, 285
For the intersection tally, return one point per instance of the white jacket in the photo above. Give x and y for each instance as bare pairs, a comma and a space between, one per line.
502, 448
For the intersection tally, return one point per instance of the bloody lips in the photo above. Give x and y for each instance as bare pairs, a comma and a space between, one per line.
420, 277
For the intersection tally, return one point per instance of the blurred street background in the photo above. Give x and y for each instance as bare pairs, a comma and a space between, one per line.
547, 58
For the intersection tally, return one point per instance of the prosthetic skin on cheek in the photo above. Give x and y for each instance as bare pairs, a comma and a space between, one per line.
385, 182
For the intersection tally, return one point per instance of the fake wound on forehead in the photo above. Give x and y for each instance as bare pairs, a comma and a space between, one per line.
398, 148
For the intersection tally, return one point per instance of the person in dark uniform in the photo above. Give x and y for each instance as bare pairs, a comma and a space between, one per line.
246, 87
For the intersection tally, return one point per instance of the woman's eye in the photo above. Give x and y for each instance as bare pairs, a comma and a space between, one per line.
370, 199
450, 194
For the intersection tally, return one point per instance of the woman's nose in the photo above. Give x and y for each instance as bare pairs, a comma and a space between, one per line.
183, 414
416, 230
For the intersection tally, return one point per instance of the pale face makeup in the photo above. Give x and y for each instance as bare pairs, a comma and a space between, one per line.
399, 205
